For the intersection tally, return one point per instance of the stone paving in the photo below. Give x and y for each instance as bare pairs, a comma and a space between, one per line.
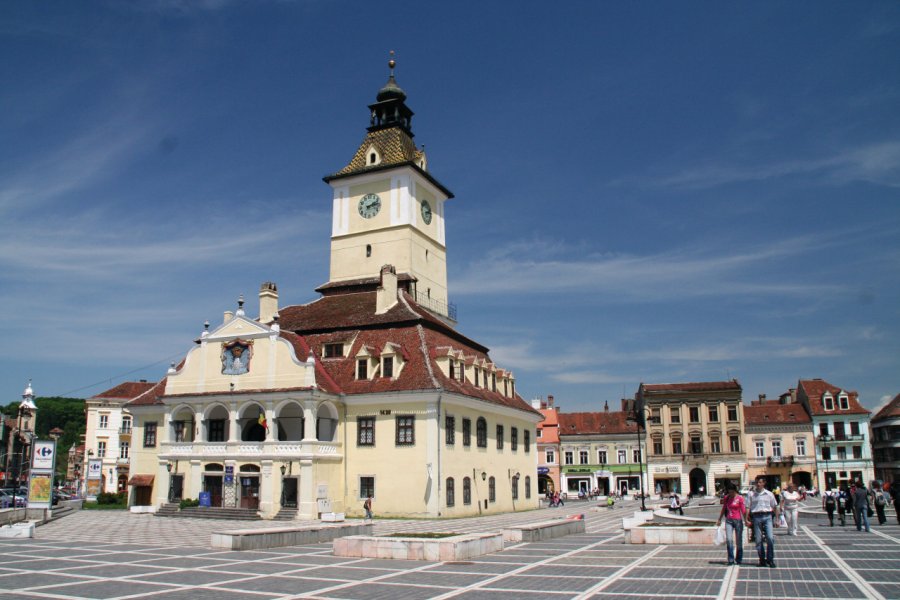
102, 554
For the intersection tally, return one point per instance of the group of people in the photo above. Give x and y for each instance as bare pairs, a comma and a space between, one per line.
555, 499
763, 512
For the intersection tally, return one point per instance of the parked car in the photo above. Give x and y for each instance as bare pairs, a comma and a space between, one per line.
6, 500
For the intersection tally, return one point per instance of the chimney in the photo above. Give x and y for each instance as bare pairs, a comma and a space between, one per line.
762, 398
268, 302
606, 406
550, 400
229, 315
537, 404
386, 295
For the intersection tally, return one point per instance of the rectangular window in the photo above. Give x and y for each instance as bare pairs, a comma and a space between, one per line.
150, 435
844, 403
854, 428
733, 413
655, 418
826, 453
499, 437
539, 433
123, 449
515, 488
527, 440
406, 430
179, 426
657, 447
101, 449
622, 458
839, 432
714, 446
217, 430
387, 366
636, 455
475, 373
569, 457
467, 432
801, 447
362, 368
583, 457
829, 402
494, 382
857, 452
601, 457
551, 457
842, 453
104, 422
694, 412
365, 431
450, 430
513, 439
451, 492
126, 425
676, 446
823, 428
776, 449
366, 487
452, 369
675, 414
735, 442
760, 449
696, 445
713, 414
333, 351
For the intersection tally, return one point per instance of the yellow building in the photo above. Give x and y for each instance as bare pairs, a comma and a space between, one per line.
370, 389
694, 436
779, 442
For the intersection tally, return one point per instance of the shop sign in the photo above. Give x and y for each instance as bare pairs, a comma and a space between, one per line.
95, 468
675, 470
543, 470
229, 474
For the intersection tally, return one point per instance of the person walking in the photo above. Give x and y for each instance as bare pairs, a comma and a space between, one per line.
828, 505
860, 507
734, 510
675, 505
367, 505
880, 502
790, 507
844, 504
763, 512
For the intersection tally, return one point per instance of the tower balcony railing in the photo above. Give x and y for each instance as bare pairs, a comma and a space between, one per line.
447, 309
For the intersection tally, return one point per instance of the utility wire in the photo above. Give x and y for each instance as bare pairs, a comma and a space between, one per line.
109, 380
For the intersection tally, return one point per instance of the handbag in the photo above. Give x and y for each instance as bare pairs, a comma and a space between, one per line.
720, 535
782, 522
869, 510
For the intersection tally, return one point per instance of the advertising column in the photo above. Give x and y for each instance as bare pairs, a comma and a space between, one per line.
94, 478
40, 480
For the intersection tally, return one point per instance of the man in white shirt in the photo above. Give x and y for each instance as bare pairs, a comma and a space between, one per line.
763, 511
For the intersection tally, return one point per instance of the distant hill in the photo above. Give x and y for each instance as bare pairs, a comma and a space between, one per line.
65, 413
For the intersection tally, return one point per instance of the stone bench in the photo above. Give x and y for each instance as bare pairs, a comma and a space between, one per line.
276, 537
545, 530
452, 548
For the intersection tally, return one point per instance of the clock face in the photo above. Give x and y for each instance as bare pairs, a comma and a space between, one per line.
369, 205
426, 212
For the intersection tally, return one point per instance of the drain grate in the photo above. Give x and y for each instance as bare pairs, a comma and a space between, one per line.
458, 562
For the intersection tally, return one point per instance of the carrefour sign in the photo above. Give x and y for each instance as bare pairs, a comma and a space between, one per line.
44, 455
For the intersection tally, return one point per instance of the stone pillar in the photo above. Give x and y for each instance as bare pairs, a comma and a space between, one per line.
229, 490
270, 421
198, 425
234, 430
306, 492
309, 421
268, 504
193, 484
163, 482
164, 435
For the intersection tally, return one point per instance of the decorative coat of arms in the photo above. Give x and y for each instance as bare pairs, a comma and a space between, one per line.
236, 357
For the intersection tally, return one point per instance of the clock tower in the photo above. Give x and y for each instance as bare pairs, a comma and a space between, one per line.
389, 210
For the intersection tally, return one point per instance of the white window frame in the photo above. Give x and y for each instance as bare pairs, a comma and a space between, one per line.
760, 449
622, 456
569, 457
776, 448
103, 421
583, 457
844, 402
828, 402
551, 457
800, 447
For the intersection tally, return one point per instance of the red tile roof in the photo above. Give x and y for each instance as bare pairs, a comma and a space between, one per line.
700, 386
128, 390
813, 389
595, 422
152, 396
774, 413
891, 410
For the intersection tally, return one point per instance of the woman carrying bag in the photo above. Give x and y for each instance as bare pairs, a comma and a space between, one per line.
734, 510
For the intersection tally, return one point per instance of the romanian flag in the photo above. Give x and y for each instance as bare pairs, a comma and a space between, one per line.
262, 421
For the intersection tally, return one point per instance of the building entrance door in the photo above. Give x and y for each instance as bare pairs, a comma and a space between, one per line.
250, 492
213, 485
177, 489
289, 492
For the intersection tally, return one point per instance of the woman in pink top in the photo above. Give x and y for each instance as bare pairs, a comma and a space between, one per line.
734, 511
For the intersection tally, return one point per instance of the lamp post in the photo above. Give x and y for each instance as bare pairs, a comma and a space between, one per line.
639, 416
824, 439
171, 480
283, 471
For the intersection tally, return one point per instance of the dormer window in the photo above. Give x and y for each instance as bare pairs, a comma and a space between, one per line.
844, 402
475, 371
373, 157
452, 369
387, 366
391, 360
362, 368
335, 350
828, 402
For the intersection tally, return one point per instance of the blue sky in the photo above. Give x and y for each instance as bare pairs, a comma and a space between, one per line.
645, 191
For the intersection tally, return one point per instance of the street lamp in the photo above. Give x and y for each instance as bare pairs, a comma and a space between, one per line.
824, 439
639, 417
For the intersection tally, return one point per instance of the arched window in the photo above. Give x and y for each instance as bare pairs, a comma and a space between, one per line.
515, 487
527, 487
492, 489
451, 492
467, 491
481, 432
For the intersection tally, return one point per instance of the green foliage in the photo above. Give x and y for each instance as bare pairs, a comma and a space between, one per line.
188, 503
65, 413
111, 498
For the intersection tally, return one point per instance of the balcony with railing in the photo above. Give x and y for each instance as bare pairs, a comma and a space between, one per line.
251, 450
781, 460
447, 309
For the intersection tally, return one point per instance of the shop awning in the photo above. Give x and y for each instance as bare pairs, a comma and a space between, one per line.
141, 480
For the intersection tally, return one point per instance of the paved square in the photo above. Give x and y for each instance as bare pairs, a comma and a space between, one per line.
119, 555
